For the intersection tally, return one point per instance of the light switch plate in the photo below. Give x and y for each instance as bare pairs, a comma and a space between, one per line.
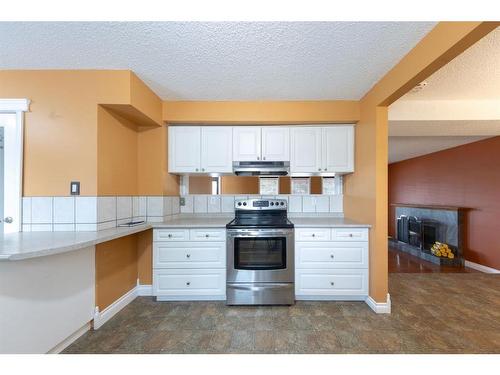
74, 188
182, 201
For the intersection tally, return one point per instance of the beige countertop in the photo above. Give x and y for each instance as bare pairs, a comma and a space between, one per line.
27, 245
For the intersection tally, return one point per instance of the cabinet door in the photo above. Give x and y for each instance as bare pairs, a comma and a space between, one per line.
246, 143
184, 149
275, 143
338, 149
306, 149
217, 149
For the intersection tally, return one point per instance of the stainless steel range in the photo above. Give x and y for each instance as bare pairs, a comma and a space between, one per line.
260, 254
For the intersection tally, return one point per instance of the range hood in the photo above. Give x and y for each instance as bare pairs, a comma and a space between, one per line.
261, 168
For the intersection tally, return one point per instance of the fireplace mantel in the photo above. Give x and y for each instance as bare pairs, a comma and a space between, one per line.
429, 207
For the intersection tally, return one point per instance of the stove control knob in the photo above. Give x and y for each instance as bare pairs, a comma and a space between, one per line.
272, 203
244, 203
282, 203
239, 203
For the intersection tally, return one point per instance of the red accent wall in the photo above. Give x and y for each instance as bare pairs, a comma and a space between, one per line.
465, 176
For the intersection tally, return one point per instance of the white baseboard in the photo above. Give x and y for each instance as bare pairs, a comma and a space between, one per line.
301, 297
70, 340
144, 290
480, 267
380, 307
101, 317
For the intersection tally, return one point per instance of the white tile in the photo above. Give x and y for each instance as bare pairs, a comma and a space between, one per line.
336, 203
167, 206
188, 204
176, 208
41, 210
86, 210
64, 210
41, 227
139, 206
200, 203
64, 227
108, 224
308, 203
26, 228
295, 203
106, 209
123, 208
154, 206
227, 203
214, 203
86, 227
26, 210
322, 203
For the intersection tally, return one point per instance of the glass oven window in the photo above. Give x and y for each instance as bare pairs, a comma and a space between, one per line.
260, 253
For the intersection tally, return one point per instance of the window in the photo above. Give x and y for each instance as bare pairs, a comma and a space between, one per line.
269, 185
329, 185
301, 185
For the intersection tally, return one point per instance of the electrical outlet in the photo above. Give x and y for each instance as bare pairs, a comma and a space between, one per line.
74, 188
182, 201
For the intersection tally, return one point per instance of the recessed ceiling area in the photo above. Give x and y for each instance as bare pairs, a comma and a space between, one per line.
221, 60
460, 104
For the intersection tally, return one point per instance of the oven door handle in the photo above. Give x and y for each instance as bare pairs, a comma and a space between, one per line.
260, 234
255, 288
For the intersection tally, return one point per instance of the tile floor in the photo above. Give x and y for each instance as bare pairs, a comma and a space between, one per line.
432, 313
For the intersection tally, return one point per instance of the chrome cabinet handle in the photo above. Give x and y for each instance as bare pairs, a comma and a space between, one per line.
331, 256
332, 283
207, 235
188, 283
188, 255
8, 220
313, 235
263, 158
319, 169
258, 157
350, 234
196, 169
169, 235
203, 169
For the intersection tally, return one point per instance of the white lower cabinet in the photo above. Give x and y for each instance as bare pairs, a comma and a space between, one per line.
185, 269
335, 269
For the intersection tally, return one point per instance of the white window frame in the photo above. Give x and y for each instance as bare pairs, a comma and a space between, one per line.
13, 160
294, 180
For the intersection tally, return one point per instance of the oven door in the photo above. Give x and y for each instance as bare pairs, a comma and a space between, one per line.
260, 255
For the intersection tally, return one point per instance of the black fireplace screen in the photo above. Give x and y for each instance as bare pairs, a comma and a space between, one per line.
421, 233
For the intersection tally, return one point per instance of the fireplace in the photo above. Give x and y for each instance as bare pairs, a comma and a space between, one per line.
419, 227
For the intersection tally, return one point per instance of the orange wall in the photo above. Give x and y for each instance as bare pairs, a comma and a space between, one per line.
265, 112
60, 139
465, 176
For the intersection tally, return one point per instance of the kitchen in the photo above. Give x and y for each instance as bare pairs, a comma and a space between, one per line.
137, 208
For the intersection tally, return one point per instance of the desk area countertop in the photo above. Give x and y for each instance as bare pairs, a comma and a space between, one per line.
28, 245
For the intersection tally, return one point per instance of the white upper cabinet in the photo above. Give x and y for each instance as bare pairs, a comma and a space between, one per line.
338, 149
184, 149
276, 143
217, 149
306, 150
322, 149
246, 143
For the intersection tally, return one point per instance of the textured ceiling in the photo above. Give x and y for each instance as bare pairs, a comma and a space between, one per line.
402, 148
475, 74
221, 61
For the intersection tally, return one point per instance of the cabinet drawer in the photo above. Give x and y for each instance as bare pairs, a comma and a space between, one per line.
331, 255
171, 235
350, 234
321, 282
189, 255
312, 234
189, 282
207, 234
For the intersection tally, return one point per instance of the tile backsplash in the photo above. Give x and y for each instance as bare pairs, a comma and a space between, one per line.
314, 203
93, 213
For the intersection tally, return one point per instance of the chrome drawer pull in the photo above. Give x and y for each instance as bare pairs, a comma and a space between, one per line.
188, 255
331, 256
169, 235
313, 235
188, 283
332, 283
350, 234
206, 235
